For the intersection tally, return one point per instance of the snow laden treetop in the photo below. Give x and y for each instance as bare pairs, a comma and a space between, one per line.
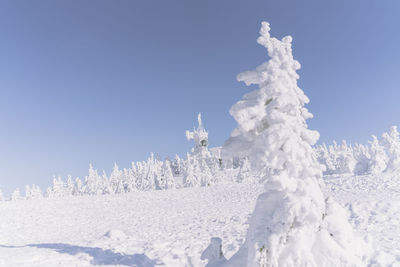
292, 224
273, 116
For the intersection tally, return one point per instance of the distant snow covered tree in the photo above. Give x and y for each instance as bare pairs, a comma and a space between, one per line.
58, 189
35, 192
205, 176
140, 174
177, 165
91, 185
166, 171
130, 179
378, 158
391, 142
69, 186
78, 187
190, 178
28, 194
16, 195
345, 159
292, 224
115, 177
1, 196
107, 189
361, 156
244, 171
325, 158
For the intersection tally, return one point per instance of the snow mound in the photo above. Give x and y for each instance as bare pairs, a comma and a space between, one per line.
116, 235
213, 253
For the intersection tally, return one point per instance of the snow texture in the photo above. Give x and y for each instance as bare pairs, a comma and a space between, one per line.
174, 227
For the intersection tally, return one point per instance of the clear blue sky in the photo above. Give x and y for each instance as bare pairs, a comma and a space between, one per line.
111, 81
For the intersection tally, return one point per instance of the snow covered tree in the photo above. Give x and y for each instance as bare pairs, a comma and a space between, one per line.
58, 189
345, 161
292, 224
106, 184
190, 178
325, 158
69, 186
139, 176
130, 179
205, 176
378, 158
91, 186
78, 187
115, 177
168, 176
35, 192
361, 156
28, 192
177, 166
244, 171
159, 178
148, 176
200, 138
16, 195
1, 196
391, 142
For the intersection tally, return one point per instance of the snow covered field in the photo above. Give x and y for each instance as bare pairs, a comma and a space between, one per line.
174, 227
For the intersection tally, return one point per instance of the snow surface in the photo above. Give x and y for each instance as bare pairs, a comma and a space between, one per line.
174, 227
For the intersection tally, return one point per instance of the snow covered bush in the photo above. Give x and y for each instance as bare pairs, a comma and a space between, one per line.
292, 224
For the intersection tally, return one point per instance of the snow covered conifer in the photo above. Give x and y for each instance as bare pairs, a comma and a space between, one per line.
148, 181
244, 171
28, 193
35, 192
115, 176
391, 142
177, 165
361, 157
206, 177
292, 224
106, 184
69, 186
78, 187
167, 174
345, 161
16, 195
1, 196
378, 158
190, 178
91, 186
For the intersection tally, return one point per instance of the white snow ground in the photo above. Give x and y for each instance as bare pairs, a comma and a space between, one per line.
173, 227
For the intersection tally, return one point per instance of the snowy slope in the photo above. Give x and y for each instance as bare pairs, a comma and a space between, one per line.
169, 227
373, 203
173, 227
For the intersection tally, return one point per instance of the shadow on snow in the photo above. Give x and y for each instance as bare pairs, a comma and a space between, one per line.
100, 256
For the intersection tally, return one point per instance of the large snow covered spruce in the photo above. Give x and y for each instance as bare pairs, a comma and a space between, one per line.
292, 223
